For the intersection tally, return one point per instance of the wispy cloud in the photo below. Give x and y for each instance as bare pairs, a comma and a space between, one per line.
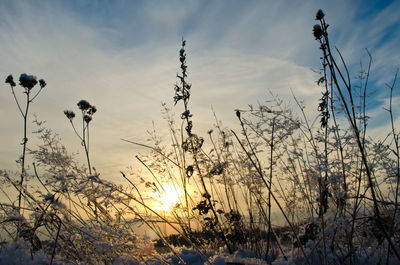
122, 57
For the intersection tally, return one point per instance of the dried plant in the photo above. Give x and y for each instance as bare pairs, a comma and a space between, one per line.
335, 190
27, 82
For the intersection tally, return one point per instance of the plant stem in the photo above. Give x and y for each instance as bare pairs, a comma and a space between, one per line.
23, 156
270, 187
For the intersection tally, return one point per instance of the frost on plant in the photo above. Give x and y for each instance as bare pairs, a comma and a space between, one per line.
334, 189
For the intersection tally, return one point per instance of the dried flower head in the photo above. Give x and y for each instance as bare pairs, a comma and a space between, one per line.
206, 195
27, 81
189, 171
320, 15
83, 105
42, 83
238, 113
317, 32
70, 114
87, 118
92, 110
193, 143
218, 169
10, 80
186, 114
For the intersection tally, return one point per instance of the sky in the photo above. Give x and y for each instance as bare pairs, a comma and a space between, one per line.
122, 56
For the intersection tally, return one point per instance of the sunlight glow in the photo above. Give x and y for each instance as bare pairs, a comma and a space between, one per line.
168, 197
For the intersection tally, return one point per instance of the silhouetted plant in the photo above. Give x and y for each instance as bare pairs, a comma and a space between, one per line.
336, 188
338, 80
193, 145
87, 112
27, 82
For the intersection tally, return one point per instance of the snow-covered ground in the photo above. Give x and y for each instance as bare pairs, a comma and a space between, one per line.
19, 253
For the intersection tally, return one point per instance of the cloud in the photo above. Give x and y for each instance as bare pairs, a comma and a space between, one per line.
123, 57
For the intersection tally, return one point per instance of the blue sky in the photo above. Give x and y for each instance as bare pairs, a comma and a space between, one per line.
122, 56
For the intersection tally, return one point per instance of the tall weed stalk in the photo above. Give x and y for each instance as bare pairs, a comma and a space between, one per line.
27, 82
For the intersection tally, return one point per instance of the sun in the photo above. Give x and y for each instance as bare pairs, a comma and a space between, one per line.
168, 197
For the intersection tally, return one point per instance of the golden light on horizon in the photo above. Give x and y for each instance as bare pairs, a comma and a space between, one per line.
167, 197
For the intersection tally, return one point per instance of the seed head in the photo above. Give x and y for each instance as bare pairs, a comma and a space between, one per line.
186, 115
317, 32
238, 113
92, 110
87, 118
320, 15
70, 114
83, 105
42, 83
10, 80
189, 171
27, 81
206, 195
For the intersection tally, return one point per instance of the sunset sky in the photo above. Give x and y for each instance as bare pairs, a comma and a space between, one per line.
122, 56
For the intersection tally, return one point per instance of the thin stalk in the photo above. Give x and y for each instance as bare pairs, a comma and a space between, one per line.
156, 214
259, 171
24, 143
226, 188
270, 187
85, 142
151, 172
16, 100
350, 113
37, 176
397, 150
55, 243
154, 149
185, 96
